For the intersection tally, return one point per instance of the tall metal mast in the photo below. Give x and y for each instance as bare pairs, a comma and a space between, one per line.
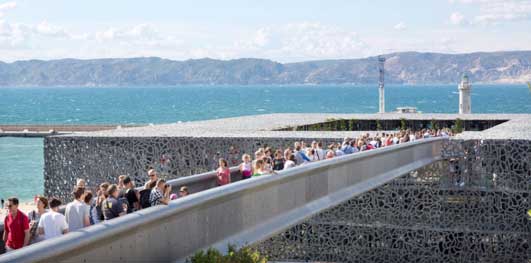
381, 70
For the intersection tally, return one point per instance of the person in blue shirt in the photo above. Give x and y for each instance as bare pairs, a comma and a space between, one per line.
347, 148
300, 156
112, 206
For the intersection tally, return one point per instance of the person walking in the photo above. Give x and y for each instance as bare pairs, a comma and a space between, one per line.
95, 210
34, 217
52, 223
77, 213
112, 206
278, 162
16, 227
223, 172
183, 191
290, 161
160, 194
131, 195
300, 157
153, 177
145, 194
246, 168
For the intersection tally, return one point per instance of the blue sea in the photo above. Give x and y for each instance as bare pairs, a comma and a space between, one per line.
21, 159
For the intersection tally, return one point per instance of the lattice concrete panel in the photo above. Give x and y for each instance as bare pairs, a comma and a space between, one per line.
357, 243
100, 159
470, 207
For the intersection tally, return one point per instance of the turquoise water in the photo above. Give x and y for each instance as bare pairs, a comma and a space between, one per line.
171, 104
21, 159
21, 163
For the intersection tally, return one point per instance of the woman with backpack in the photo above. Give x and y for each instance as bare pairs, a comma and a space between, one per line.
34, 216
96, 211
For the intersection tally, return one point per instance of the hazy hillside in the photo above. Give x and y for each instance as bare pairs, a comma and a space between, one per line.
406, 67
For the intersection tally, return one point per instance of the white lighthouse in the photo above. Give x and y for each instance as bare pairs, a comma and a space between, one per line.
381, 91
465, 104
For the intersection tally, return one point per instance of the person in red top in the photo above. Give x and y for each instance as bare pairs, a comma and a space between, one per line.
223, 172
16, 227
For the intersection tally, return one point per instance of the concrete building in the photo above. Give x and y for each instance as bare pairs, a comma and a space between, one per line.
465, 105
442, 199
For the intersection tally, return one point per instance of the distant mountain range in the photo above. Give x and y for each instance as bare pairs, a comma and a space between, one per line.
401, 68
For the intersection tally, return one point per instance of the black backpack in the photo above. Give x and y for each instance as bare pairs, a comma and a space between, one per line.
144, 198
99, 210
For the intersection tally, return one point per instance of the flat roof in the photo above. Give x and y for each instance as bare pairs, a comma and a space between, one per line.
518, 126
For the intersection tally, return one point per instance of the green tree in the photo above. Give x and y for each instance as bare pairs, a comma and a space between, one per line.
403, 125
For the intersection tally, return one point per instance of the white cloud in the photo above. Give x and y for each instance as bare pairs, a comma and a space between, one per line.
503, 11
13, 36
400, 26
47, 41
299, 41
6, 6
46, 29
262, 37
498, 11
5, 29
137, 32
23, 36
457, 18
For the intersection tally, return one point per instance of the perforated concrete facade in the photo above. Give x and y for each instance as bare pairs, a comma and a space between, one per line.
470, 207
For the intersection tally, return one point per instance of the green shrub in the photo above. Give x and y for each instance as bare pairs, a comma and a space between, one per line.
352, 124
210, 256
458, 127
434, 124
378, 125
343, 125
403, 125
243, 255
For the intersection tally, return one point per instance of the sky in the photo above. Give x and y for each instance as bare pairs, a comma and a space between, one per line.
280, 30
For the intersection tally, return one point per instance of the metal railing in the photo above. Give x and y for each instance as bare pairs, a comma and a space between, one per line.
240, 213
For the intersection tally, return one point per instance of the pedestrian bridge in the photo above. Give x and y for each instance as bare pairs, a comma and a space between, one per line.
244, 212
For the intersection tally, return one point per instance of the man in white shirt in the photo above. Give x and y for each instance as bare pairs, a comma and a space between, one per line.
77, 212
395, 140
52, 223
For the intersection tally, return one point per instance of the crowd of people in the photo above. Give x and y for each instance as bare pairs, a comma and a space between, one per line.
269, 161
110, 201
114, 200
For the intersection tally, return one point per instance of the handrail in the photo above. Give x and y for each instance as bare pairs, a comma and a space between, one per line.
192, 180
195, 183
251, 209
